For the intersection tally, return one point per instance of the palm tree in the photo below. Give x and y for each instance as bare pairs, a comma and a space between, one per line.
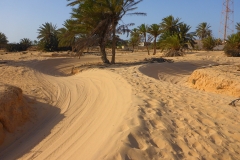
172, 45
133, 41
176, 44
134, 37
25, 43
67, 35
232, 46
135, 33
47, 34
117, 9
107, 14
35, 42
3, 39
238, 27
155, 31
91, 25
186, 37
170, 25
203, 30
143, 28
209, 43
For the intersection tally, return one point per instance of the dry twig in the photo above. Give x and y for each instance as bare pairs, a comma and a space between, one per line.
233, 102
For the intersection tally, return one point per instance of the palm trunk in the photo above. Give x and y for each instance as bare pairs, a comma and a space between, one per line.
147, 50
73, 45
73, 48
146, 45
102, 45
154, 45
103, 51
113, 43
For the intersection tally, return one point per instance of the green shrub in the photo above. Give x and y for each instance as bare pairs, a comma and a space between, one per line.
232, 46
173, 53
209, 43
14, 47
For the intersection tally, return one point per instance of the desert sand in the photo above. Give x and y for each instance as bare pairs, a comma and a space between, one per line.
130, 110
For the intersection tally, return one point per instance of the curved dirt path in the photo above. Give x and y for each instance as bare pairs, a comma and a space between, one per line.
83, 120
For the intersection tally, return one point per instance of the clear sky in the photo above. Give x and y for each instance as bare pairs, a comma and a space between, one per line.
22, 18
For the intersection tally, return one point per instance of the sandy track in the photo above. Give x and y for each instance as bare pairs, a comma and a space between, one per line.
90, 108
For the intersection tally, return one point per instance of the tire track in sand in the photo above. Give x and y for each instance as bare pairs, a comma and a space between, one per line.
92, 103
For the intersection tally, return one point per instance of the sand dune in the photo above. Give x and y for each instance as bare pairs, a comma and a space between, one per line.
146, 111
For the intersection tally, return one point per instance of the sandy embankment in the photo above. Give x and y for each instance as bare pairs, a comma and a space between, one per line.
14, 110
218, 79
99, 114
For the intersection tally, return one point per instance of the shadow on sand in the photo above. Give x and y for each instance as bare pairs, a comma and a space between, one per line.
43, 119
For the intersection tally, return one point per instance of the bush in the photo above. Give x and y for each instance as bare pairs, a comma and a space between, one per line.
232, 46
48, 45
209, 43
15, 47
173, 53
25, 43
232, 52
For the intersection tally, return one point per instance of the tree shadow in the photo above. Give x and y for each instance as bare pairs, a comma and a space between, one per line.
176, 69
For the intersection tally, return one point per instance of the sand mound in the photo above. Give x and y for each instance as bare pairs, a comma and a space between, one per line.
13, 109
218, 79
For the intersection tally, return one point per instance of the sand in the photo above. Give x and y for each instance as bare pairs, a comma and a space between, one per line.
126, 111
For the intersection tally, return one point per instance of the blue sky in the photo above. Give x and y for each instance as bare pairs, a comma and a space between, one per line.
22, 18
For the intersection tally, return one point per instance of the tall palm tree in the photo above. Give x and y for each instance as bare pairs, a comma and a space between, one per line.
47, 34
203, 30
117, 9
155, 31
186, 37
143, 29
238, 27
134, 33
91, 24
67, 35
108, 13
170, 24
176, 44
134, 37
